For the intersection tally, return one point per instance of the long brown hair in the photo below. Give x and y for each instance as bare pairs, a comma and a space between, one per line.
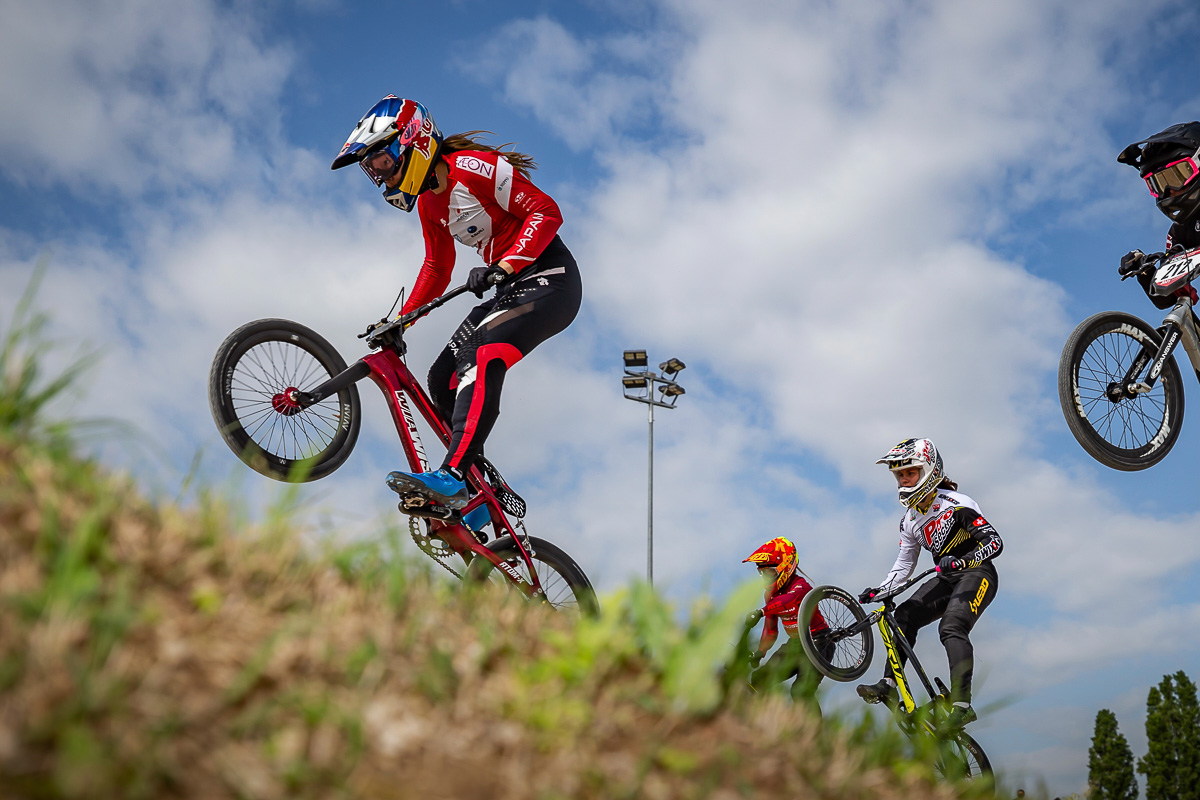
948, 484
469, 140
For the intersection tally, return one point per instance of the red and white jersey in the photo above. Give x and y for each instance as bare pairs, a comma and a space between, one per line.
488, 205
784, 606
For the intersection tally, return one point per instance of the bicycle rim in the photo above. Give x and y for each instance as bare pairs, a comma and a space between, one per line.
566, 587
963, 759
850, 655
1126, 433
258, 382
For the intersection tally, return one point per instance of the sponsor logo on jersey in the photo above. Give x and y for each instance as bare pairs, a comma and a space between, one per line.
980, 521
478, 166
936, 529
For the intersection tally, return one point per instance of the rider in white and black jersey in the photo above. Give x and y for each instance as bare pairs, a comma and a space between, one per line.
949, 525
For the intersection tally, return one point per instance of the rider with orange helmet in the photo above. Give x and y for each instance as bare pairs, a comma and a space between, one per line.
786, 587
475, 194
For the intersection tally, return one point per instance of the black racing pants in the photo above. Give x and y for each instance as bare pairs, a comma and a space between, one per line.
790, 659
466, 378
958, 599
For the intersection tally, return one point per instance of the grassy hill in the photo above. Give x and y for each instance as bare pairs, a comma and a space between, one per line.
153, 651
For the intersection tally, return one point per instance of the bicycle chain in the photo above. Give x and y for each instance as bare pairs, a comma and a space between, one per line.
429, 543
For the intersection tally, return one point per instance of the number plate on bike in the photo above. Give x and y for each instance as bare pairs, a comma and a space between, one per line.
1176, 272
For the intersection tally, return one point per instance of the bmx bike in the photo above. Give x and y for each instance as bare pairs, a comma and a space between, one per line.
843, 652
286, 403
1118, 384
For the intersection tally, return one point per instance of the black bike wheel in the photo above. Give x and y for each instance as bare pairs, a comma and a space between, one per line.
963, 759
254, 368
567, 587
852, 650
1119, 431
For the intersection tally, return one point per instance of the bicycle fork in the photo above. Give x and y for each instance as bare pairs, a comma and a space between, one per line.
1176, 327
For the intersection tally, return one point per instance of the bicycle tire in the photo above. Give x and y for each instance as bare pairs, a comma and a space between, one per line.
567, 587
1128, 434
251, 370
972, 763
851, 654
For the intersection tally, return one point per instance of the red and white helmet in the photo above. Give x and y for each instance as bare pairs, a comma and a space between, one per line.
778, 554
918, 453
395, 137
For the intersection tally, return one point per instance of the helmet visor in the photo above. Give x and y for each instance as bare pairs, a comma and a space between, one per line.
1174, 177
384, 164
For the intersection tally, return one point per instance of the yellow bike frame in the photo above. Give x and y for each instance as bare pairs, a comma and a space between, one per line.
893, 654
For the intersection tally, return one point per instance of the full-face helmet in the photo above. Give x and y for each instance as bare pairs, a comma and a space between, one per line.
1169, 162
919, 453
776, 560
397, 145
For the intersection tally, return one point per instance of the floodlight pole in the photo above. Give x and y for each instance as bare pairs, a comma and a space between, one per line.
650, 502
645, 380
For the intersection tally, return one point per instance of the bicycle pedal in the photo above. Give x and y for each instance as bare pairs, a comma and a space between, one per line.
417, 506
509, 500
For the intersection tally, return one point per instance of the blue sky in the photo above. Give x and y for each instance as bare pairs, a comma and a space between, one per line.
855, 222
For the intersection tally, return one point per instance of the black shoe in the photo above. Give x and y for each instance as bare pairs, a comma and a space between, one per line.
882, 692
958, 717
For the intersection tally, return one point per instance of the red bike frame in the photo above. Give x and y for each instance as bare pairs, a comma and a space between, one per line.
396, 381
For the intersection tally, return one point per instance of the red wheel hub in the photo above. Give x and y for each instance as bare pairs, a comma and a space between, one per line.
285, 402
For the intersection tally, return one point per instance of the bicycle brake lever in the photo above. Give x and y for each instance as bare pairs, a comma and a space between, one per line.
372, 327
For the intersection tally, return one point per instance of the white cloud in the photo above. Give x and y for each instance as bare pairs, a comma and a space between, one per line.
131, 95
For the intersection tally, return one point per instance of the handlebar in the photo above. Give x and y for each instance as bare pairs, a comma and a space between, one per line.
879, 598
376, 330
1149, 262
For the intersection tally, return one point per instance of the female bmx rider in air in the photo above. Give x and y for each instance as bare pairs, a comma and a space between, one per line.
481, 196
949, 525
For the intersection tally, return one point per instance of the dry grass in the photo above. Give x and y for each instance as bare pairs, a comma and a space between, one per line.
152, 652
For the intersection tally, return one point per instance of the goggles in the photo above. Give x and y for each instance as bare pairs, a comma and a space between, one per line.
1174, 176
382, 165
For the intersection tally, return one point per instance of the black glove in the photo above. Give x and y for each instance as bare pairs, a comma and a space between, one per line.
483, 278
868, 594
951, 563
1131, 263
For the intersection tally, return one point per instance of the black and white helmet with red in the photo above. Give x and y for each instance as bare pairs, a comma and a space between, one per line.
922, 454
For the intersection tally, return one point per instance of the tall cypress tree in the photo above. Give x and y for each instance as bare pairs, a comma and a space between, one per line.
1110, 762
1187, 746
1172, 762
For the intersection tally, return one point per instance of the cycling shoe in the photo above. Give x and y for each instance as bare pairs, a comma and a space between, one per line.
440, 487
882, 692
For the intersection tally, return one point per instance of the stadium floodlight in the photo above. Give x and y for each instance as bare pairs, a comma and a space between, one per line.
638, 385
672, 366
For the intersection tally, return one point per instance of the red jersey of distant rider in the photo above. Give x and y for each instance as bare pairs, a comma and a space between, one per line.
784, 606
490, 206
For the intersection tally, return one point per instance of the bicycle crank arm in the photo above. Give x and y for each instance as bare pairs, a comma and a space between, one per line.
352, 374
